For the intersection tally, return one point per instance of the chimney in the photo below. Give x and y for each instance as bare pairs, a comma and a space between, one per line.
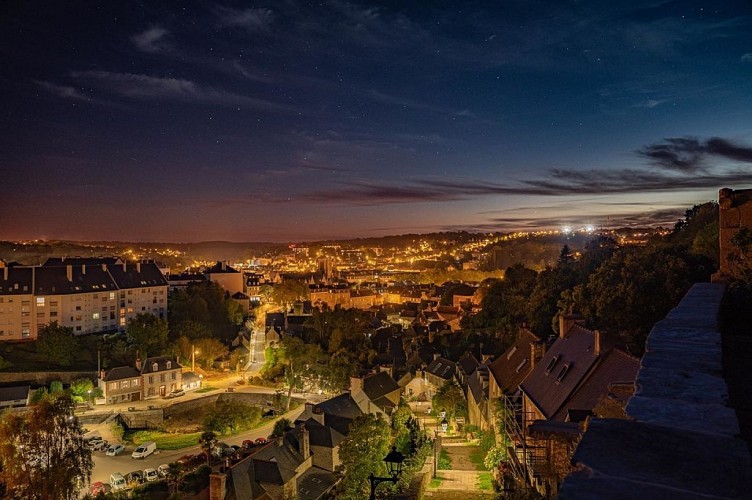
83, 268
356, 383
138, 267
597, 340
5, 273
69, 272
533, 354
566, 321
104, 267
101, 374
125, 264
305, 442
217, 486
138, 364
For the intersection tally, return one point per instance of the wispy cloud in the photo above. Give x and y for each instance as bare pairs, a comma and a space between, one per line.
252, 19
63, 91
680, 161
136, 86
747, 57
151, 40
689, 154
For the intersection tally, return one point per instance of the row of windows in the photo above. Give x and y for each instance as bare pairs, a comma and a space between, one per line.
124, 384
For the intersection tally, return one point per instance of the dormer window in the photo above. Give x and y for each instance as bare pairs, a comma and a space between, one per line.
563, 372
169, 365
511, 352
551, 364
154, 367
519, 367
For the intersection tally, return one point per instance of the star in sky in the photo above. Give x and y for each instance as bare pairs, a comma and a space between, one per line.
287, 121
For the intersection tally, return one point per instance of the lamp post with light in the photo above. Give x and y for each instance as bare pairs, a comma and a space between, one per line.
393, 461
193, 358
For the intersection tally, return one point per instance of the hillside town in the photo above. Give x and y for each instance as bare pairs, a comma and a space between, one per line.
233, 382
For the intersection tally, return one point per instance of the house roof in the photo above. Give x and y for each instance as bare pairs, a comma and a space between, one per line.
137, 275
318, 435
81, 261
615, 367
20, 280
478, 384
379, 385
276, 462
121, 373
315, 483
342, 406
511, 368
442, 368
221, 267
468, 364
161, 362
240, 296
14, 393
559, 373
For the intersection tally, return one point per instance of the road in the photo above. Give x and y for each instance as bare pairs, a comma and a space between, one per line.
123, 463
258, 352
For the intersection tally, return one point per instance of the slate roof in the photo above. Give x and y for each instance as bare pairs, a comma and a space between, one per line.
467, 365
161, 361
221, 267
442, 368
14, 393
81, 261
240, 296
511, 368
561, 371
276, 462
315, 483
478, 384
131, 277
379, 385
91, 278
318, 435
616, 366
19, 280
121, 373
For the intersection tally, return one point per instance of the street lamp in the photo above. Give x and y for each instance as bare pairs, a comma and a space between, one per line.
193, 358
89, 393
394, 465
442, 413
444, 425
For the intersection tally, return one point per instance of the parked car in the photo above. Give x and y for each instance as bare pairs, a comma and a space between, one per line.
163, 470
144, 449
175, 394
248, 444
117, 482
221, 450
151, 475
135, 477
100, 446
97, 488
115, 449
260, 441
93, 441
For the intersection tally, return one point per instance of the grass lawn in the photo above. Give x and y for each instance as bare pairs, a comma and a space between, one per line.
476, 457
435, 482
445, 462
208, 388
485, 481
165, 441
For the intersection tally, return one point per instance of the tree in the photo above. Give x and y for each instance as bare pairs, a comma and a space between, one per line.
57, 343
43, 453
149, 333
450, 398
207, 440
230, 415
300, 360
361, 453
290, 291
280, 427
209, 349
82, 389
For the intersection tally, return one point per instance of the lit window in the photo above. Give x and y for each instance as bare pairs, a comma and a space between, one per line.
112, 295
124, 384
95, 316
40, 301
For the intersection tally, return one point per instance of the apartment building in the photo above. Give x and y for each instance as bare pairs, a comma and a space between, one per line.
89, 295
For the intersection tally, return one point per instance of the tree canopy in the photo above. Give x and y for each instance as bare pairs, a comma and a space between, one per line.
42, 451
57, 343
361, 453
149, 333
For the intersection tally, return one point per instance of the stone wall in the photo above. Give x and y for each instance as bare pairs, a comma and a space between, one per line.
682, 440
43, 378
735, 212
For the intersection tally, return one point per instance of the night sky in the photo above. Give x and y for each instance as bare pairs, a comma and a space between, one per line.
289, 121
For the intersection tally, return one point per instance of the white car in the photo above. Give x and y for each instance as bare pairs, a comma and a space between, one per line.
163, 470
151, 475
115, 449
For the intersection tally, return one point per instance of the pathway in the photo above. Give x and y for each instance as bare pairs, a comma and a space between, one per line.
462, 481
